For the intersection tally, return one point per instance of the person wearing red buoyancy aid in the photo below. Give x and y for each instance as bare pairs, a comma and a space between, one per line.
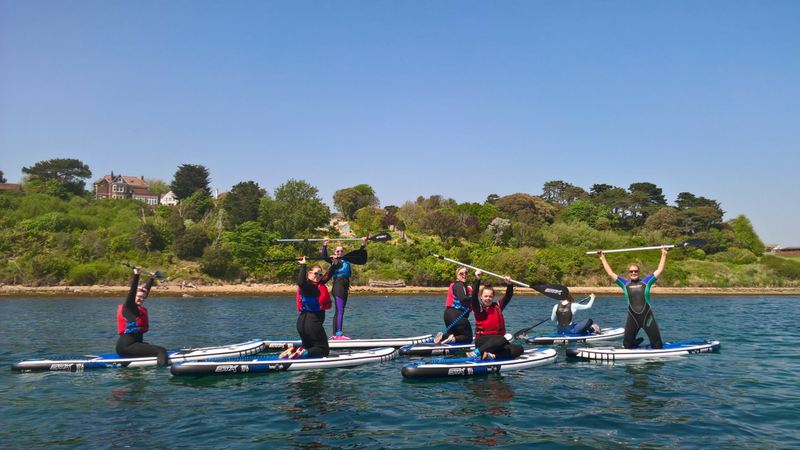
313, 299
456, 313
132, 323
490, 325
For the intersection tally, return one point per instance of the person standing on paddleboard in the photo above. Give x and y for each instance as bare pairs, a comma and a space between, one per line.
313, 299
457, 308
133, 323
637, 292
562, 315
341, 285
490, 325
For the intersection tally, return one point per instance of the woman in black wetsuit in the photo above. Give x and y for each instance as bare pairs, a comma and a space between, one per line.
133, 322
456, 312
313, 299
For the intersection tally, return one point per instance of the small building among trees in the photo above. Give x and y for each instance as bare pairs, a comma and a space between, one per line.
121, 186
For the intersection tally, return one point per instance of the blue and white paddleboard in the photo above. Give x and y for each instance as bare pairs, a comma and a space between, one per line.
266, 364
114, 361
276, 344
433, 349
620, 354
605, 333
464, 367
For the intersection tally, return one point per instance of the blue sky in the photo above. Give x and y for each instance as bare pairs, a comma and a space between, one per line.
457, 98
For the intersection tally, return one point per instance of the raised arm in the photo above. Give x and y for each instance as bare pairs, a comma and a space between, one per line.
662, 263
363, 242
606, 266
509, 293
130, 301
325, 247
578, 306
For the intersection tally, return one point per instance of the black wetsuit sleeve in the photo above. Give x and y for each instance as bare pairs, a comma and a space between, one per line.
149, 285
475, 299
507, 298
329, 274
307, 288
302, 275
130, 301
460, 292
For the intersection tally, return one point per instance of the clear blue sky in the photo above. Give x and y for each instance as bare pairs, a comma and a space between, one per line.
457, 98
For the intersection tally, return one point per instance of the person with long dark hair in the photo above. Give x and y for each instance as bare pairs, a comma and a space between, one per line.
133, 322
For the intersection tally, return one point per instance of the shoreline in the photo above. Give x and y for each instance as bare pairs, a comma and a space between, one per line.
281, 290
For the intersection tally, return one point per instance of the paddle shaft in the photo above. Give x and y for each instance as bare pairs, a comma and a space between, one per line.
377, 237
157, 274
518, 283
689, 243
525, 330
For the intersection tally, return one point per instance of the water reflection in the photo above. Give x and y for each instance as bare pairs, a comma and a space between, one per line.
645, 383
492, 395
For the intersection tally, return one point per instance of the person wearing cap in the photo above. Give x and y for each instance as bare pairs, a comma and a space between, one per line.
313, 299
341, 286
456, 311
490, 325
637, 292
133, 323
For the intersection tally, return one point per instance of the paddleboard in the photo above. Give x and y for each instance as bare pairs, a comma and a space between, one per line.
463, 367
619, 354
232, 366
276, 344
432, 349
114, 361
605, 333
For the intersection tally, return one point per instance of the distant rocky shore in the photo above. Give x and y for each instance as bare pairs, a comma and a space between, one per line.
281, 290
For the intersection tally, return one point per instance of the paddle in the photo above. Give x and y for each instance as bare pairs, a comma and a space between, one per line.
357, 257
523, 332
555, 291
380, 237
689, 243
156, 275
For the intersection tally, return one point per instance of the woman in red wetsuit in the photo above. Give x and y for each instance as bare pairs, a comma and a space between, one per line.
133, 323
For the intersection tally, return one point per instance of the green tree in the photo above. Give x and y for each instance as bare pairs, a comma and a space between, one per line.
349, 200
527, 208
66, 171
2, 178
615, 198
491, 199
242, 202
296, 210
190, 178
699, 218
191, 243
200, 202
664, 220
157, 186
586, 211
746, 236
368, 220
443, 224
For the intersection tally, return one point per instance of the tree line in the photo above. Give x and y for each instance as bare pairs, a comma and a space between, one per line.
55, 233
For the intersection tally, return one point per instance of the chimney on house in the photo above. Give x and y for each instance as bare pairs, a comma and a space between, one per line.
112, 174
216, 194
142, 177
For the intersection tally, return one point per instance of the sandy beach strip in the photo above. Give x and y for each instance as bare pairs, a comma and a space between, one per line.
288, 290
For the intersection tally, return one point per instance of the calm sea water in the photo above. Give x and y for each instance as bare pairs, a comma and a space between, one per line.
746, 396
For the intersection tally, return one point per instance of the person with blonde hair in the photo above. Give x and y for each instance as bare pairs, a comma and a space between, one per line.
457, 308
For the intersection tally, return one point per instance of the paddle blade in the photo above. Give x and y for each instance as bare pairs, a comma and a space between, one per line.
357, 257
160, 276
555, 291
380, 237
693, 243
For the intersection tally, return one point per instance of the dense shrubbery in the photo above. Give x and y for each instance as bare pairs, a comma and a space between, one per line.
49, 237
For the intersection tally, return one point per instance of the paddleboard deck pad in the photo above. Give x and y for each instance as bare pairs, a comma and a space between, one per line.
114, 361
605, 333
619, 354
432, 349
233, 366
279, 344
464, 367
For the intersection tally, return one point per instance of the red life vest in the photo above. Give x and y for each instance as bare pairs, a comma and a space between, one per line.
489, 321
453, 302
140, 325
320, 303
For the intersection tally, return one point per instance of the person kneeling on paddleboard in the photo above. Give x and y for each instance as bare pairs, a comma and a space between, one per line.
313, 299
562, 315
490, 325
456, 312
133, 323
637, 292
